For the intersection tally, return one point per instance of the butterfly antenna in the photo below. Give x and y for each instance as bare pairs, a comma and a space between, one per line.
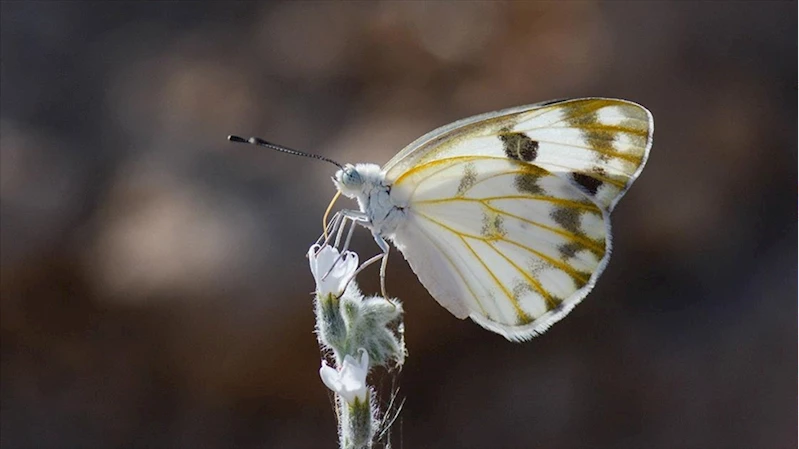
281, 148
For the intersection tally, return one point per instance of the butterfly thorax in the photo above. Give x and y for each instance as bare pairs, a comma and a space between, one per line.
366, 183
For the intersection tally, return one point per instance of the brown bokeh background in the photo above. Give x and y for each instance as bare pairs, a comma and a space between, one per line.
154, 287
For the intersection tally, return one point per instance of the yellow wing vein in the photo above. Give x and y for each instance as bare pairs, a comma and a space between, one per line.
619, 184
521, 314
560, 265
535, 167
496, 175
551, 304
561, 202
556, 263
593, 105
455, 267
416, 187
615, 154
601, 127
448, 160
549, 125
571, 236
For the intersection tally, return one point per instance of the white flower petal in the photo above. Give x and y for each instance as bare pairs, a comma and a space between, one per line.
350, 262
312, 259
350, 381
331, 273
327, 255
330, 377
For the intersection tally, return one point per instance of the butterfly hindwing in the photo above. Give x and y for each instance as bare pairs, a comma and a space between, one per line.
504, 241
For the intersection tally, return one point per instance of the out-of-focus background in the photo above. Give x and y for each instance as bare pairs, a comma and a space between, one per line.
155, 291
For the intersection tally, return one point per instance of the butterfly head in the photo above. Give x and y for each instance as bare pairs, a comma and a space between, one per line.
357, 180
349, 181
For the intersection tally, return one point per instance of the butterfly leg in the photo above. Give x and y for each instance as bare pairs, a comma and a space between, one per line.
355, 217
332, 226
381, 242
338, 223
383, 257
335, 227
343, 251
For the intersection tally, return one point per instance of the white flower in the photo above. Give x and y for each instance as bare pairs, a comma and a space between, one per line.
350, 382
331, 281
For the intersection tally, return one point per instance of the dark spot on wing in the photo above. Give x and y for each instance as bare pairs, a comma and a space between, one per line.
588, 183
468, 180
569, 250
518, 146
580, 116
527, 182
568, 218
520, 288
535, 265
493, 227
585, 116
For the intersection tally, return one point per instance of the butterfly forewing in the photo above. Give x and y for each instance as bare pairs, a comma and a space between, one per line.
598, 145
508, 243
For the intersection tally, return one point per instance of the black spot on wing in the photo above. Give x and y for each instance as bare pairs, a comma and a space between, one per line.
518, 146
568, 218
588, 183
527, 182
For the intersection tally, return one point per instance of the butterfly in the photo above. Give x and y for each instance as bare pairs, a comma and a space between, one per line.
505, 216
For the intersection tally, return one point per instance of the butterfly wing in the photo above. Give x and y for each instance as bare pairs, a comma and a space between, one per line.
512, 233
505, 242
599, 145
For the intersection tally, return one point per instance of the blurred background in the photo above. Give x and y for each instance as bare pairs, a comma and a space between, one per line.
155, 291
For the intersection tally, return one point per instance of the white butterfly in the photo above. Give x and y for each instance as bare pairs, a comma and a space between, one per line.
505, 216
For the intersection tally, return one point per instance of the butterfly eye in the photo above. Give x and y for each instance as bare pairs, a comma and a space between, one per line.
350, 177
